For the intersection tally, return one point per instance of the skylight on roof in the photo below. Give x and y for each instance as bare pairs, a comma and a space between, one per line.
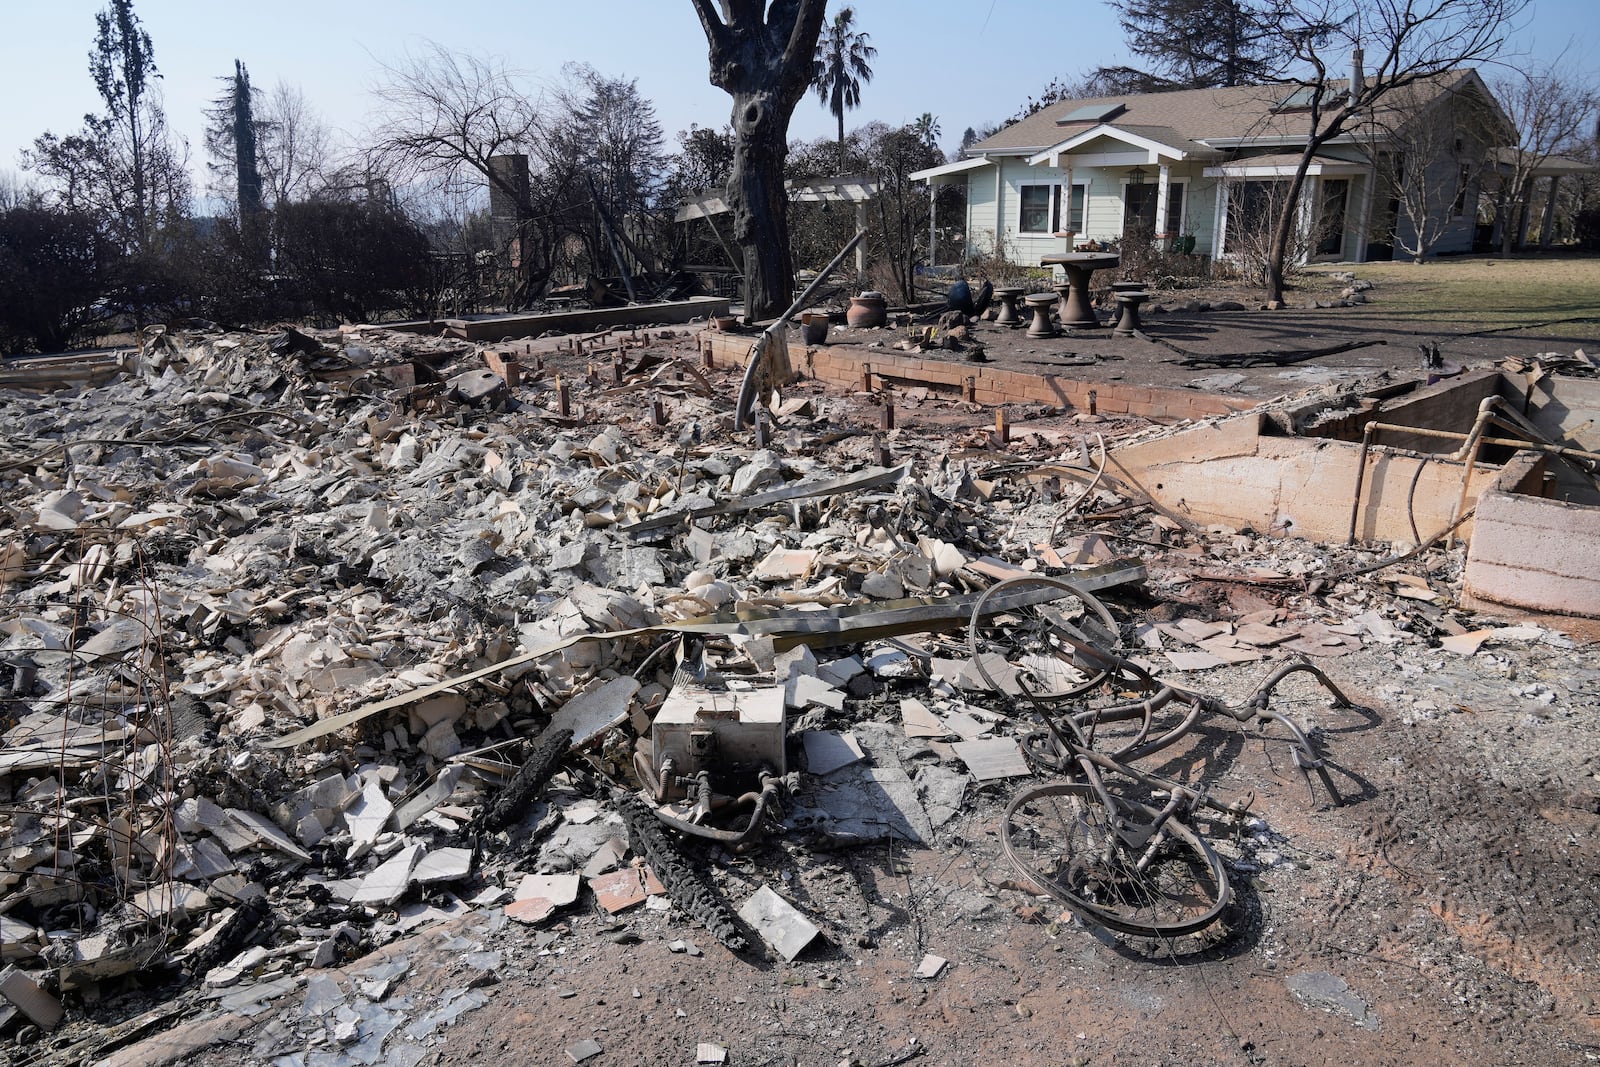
1091, 113
1300, 98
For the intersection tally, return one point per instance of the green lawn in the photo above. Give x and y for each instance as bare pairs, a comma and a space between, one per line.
1477, 293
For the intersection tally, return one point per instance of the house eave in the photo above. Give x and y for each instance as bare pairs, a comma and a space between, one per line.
1153, 149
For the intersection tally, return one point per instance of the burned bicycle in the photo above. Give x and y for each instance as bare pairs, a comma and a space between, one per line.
1112, 841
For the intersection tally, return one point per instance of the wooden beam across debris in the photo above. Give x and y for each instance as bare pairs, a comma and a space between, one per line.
788, 628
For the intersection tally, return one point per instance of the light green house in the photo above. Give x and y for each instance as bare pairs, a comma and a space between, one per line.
1199, 169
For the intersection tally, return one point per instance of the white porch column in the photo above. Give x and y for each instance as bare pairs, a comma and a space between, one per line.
1310, 198
1547, 227
861, 247
1219, 224
999, 207
1066, 211
933, 221
1526, 199
1163, 184
1364, 215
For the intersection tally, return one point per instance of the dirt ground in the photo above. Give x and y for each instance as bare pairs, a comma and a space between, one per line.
1442, 912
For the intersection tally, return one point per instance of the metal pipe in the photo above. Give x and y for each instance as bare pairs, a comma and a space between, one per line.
1472, 448
1370, 432
1502, 442
1367, 435
747, 387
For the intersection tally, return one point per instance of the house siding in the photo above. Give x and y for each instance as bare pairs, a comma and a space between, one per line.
1103, 207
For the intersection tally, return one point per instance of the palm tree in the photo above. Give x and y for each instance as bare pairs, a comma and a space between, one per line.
927, 129
842, 64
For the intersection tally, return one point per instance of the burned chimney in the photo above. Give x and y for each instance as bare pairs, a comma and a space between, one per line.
508, 193
1357, 77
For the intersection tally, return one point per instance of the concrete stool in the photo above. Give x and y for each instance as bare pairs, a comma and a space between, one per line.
1129, 302
1041, 303
1064, 294
1008, 298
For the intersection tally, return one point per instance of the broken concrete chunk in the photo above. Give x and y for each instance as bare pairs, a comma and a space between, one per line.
989, 760
443, 865
389, 881
827, 751
40, 1007
431, 797
590, 714
931, 966
539, 895
797, 661
804, 691
587, 1049
779, 923
264, 831
839, 672
883, 587
786, 564
919, 721
369, 815
942, 792
760, 470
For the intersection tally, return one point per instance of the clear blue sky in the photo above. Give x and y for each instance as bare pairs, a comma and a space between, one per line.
968, 63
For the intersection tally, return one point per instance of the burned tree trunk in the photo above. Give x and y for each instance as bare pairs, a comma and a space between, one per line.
765, 64
760, 204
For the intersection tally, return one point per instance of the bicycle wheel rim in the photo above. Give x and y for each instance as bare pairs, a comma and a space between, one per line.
1057, 836
1093, 608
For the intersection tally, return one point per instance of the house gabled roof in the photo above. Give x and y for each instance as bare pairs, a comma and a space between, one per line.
1194, 121
1157, 141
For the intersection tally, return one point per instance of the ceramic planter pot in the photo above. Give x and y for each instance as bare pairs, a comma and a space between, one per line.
814, 327
868, 309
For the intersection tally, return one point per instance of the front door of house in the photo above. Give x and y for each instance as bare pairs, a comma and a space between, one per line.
1331, 223
1139, 210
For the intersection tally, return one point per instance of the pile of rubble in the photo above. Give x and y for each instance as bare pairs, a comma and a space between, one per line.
313, 641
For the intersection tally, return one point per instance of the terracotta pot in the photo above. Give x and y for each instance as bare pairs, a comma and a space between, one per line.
868, 309
724, 323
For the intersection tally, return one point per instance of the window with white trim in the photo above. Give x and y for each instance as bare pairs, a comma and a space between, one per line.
1040, 210
1034, 215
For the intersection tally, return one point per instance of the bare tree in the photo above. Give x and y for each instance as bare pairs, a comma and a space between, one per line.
1552, 110
295, 146
1432, 147
765, 62
902, 204
1407, 41
123, 167
444, 114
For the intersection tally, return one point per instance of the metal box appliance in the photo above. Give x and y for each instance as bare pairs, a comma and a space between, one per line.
729, 733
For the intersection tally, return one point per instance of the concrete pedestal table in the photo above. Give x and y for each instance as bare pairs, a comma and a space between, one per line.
1008, 298
1079, 312
1040, 304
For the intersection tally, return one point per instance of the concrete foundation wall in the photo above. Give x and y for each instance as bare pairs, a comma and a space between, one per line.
1229, 473
1528, 552
1566, 410
1448, 405
849, 368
